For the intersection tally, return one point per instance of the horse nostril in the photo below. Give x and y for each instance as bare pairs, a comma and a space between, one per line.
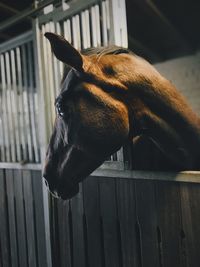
46, 183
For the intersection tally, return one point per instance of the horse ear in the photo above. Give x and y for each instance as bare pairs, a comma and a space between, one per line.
64, 51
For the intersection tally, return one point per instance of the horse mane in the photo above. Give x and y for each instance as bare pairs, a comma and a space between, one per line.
108, 50
99, 51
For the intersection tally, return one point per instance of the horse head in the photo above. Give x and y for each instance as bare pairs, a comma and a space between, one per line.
107, 98
91, 123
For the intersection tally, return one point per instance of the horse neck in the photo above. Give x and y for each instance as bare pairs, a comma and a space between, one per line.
163, 101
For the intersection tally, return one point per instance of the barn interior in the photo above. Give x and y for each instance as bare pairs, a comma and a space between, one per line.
157, 30
120, 217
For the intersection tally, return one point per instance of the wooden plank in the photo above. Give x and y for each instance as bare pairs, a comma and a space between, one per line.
79, 255
64, 234
29, 218
55, 237
147, 221
12, 219
127, 220
190, 201
92, 223
39, 219
109, 223
20, 219
169, 223
4, 230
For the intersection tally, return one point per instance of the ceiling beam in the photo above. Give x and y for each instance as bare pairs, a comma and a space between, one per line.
9, 8
31, 11
156, 13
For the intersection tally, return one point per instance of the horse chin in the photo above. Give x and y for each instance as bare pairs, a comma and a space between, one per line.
66, 193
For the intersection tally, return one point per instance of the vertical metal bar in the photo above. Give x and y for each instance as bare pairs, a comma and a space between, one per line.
67, 30
26, 103
76, 32
2, 122
104, 24
2, 137
9, 105
94, 33
4, 106
54, 68
39, 55
124, 34
118, 33
56, 73
60, 64
15, 105
21, 112
87, 30
84, 32
45, 62
32, 104
98, 29
49, 67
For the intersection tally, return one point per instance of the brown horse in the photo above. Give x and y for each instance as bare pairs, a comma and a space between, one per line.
109, 97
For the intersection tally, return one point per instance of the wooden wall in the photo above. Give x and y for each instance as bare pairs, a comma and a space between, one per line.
128, 223
22, 228
112, 222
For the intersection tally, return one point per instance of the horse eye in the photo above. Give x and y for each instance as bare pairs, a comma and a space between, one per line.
60, 111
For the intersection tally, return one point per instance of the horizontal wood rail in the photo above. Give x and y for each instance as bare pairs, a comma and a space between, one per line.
106, 170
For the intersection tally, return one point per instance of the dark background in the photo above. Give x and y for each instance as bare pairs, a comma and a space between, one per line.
158, 29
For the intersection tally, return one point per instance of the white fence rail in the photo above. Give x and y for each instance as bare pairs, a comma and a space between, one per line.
85, 24
18, 102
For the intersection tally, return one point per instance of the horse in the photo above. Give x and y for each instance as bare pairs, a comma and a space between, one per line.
110, 97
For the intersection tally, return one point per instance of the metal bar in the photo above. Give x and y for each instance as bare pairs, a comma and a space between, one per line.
67, 30
87, 28
55, 67
118, 33
2, 143
83, 29
39, 54
41, 85
26, 103
98, 29
60, 64
17, 41
50, 27
21, 112
46, 81
9, 107
76, 32
104, 23
93, 27
75, 7
15, 105
2, 121
32, 110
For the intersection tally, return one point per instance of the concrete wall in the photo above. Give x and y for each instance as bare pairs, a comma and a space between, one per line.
185, 74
